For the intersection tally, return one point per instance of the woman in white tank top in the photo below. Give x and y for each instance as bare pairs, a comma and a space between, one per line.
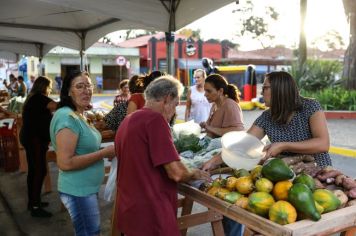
197, 106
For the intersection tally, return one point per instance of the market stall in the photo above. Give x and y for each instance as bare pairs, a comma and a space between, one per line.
330, 223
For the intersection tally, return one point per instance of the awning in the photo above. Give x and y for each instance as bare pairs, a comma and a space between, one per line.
77, 24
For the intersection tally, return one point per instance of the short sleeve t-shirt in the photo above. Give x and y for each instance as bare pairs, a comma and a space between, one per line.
86, 181
36, 118
138, 99
298, 129
228, 115
147, 197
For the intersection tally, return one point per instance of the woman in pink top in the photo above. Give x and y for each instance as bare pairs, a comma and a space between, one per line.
225, 114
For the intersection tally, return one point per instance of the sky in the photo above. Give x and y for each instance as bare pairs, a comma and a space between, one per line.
322, 16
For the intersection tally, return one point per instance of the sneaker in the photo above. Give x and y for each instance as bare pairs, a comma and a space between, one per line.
42, 205
39, 212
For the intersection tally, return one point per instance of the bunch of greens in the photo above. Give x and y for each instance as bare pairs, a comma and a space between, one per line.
186, 142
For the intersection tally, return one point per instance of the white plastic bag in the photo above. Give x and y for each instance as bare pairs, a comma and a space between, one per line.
187, 128
110, 187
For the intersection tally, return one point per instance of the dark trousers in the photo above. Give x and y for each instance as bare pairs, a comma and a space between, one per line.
37, 169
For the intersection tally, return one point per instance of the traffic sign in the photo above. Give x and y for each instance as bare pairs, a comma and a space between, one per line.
121, 60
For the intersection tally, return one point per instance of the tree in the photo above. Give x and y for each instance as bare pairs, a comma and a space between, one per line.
329, 41
254, 26
302, 53
349, 72
131, 34
189, 33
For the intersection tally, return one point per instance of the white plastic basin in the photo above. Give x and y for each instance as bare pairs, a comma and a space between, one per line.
241, 150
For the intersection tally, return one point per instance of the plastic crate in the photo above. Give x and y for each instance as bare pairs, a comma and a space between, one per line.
9, 149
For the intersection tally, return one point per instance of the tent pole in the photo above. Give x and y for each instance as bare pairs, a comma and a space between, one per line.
82, 50
41, 71
170, 52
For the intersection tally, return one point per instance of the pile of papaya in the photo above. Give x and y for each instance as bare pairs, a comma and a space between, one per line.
274, 191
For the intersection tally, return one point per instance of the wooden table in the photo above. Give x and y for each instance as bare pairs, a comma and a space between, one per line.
342, 220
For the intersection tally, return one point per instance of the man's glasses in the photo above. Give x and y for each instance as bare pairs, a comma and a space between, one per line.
82, 86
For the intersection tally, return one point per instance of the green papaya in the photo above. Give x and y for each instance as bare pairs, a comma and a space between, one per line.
302, 199
219, 182
326, 199
232, 197
305, 179
240, 173
276, 170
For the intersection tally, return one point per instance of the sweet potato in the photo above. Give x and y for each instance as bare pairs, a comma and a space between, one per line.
330, 180
348, 183
318, 184
292, 160
352, 193
342, 197
338, 179
351, 203
308, 158
327, 173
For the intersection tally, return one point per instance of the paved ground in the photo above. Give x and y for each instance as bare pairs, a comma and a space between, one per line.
16, 220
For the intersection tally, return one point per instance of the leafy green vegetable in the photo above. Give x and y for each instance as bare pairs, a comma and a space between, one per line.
187, 142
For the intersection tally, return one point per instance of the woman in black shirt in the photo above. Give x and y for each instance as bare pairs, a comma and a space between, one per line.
34, 136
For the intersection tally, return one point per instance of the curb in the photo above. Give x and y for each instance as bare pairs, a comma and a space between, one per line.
343, 151
340, 114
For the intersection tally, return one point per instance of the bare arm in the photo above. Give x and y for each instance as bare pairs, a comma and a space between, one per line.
221, 131
52, 106
213, 163
188, 105
317, 144
256, 131
179, 173
131, 107
67, 160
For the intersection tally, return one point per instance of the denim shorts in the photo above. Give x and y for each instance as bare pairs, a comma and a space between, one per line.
84, 212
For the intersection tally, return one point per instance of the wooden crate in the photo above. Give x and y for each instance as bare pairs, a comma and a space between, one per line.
330, 223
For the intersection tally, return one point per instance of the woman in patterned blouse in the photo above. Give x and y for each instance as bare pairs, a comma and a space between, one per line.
293, 124
124, 93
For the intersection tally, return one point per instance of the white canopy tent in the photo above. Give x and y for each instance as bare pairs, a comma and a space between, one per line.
38, 25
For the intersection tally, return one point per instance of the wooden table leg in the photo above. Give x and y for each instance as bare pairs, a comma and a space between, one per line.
187, 206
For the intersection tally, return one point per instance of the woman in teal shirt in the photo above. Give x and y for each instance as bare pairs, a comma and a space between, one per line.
79, 157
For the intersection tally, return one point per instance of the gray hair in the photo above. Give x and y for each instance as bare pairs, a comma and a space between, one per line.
163, 86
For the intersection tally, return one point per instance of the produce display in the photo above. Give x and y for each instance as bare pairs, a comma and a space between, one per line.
274, 191
96, 117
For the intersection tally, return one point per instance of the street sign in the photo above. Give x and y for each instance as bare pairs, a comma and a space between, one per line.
121, 60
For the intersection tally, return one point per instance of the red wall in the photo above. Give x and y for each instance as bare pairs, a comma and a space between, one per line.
211, 50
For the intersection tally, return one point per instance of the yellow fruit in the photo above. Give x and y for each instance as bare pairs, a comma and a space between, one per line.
221, 193
319, 208
242, 202
280, 190
282, 212
264, 185
260, 202
244, 185
256, 172
213, 190
231, 183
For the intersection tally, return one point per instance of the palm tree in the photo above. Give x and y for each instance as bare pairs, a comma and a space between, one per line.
349, 71
302, 54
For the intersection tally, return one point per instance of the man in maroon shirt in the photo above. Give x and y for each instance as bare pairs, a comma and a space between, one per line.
149, 165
